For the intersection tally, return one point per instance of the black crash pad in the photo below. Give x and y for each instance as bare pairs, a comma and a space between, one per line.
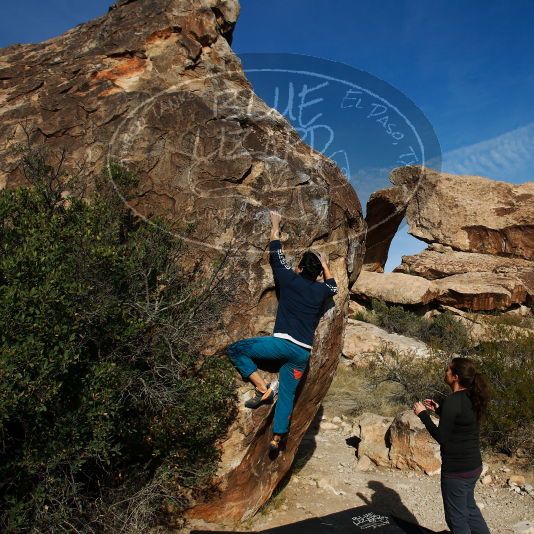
355, 520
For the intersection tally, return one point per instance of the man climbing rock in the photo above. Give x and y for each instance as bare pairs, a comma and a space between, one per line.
300, 307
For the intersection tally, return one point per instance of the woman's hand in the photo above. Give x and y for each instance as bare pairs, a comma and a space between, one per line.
275, 223
431, 404
418, 407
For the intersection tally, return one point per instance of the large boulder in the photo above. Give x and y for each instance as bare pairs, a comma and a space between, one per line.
477, 291
412, 447
402, 442
481, 235
481, 291
469, 213
371, 430
155, 85
512, 277
438, 262
396, 288
364, 339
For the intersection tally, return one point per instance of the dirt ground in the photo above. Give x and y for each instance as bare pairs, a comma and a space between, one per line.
330, 481
326, 479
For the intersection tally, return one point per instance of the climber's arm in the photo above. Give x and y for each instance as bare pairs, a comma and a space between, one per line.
282, 271
329, 281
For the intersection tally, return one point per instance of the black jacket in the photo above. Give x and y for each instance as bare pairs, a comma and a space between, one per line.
458, 433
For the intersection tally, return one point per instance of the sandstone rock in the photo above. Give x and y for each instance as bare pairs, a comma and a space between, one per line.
325, 425
508, 273
460, 212
362, 339
520, 311
412, 447
438, 247
516, 480
485, 469
385, 211
477, 291
469, 213
154, 84
487, 480
431, 264
481, 329
371, 429
364, 464
481, 291
481, 235
394, 288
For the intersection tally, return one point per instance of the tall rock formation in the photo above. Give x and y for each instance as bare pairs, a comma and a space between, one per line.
480, 234
154, 84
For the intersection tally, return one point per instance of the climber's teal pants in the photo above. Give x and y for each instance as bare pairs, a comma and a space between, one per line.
245, 352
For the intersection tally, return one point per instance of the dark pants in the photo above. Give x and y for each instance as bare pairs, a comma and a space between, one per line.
294, 360
461, 511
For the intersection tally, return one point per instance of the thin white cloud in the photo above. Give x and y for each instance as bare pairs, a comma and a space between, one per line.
508, 157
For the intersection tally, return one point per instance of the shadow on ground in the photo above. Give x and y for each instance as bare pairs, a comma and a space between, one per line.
361, 519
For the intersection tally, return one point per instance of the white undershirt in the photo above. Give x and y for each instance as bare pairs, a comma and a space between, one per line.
291, 338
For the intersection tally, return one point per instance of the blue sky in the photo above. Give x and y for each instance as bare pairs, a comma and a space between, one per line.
468, 66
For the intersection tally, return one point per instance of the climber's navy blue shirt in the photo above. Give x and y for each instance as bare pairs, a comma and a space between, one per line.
301, 301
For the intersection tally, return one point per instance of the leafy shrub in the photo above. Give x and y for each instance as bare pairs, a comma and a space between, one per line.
447, 334
360, 316
108, 416
442, 332
396, 319
509, 366
506, 358
418, 377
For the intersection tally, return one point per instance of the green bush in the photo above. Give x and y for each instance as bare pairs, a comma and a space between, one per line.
107, 413
509, 366
396, 319
442, 332
447, 334
418, 377
506, 358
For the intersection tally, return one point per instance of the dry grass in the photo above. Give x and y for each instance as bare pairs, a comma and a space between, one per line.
352, 393
518, 321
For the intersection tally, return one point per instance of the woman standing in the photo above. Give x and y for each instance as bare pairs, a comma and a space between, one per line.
458, 434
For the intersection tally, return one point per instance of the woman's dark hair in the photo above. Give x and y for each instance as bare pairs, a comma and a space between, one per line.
474, 381
311, 265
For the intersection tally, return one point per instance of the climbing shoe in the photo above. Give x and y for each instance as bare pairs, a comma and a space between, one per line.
258, 400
